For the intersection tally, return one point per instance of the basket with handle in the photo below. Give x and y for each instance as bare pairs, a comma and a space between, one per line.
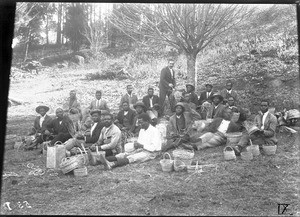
95, 155
68, 164
85, 154
182, 158
193, 168
229, 153
166, 164
80, 171
254, 149
246, 156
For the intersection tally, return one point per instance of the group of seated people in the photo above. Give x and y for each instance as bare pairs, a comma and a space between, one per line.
131, 135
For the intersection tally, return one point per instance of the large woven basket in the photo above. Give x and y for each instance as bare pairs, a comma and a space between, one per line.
80, 171
233, 138
166, 164
269, 149
68, 164
182, 158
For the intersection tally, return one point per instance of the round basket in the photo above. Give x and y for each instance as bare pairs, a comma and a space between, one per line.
229, 153
166, 164
269, 149
70, 163
179, 165
233, 138
183, 154
192, 168
80, 171
246, 156
254, 149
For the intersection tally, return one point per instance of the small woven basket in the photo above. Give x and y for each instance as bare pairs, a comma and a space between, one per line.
179, 165
192, 168
229, 153
246, 156
269, 149
254, 149
80, 171
166, 164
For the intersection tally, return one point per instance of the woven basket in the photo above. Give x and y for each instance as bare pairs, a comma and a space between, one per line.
229, 153
183, 154
80, 171
179, 165
192, 168
254, 149
269, 149
166, 164
70, 163
233, 138
246, 156
95, 155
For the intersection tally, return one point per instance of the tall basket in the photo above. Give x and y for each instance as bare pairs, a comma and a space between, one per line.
182, 158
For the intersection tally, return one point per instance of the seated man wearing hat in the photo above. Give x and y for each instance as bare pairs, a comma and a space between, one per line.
145, 148
215, 133
190, 89
263, 133
178, 128
110, 137
190, 106
39, 127
151, 102
92, 137
216, 108
61, 127
139, 108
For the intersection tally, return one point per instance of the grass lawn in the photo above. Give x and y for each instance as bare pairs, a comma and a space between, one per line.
227, 188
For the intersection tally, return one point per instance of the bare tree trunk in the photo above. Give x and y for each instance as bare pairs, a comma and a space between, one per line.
47, 30
191, 67
58, 33
27, 45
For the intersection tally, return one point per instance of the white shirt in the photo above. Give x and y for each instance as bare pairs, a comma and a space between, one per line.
229, 91
98, 103
223, 126
42, 118
151, 103
207, 94
263, 120
93, 127
125, 113
172, 72
150, 139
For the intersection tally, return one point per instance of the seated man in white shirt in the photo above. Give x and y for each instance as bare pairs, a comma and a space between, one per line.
145, 148
214, 133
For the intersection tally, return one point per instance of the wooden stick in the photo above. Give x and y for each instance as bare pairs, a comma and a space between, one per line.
97, 149
250, 142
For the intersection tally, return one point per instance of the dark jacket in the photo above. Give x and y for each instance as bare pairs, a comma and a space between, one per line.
172, 127
269, 126
146, 100
37, 127
217, 112
203, 97
95, 134
226, 95
214, 125
65, 127
165, 78
130, 117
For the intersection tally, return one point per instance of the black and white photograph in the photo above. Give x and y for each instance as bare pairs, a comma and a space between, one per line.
152, 109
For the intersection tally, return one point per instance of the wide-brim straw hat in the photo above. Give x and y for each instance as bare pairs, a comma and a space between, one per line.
37, 109
180, 104
95, 111
139, 103
218, 94
189, 84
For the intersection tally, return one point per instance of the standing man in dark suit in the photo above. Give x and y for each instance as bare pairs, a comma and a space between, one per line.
206, 95
167, 83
